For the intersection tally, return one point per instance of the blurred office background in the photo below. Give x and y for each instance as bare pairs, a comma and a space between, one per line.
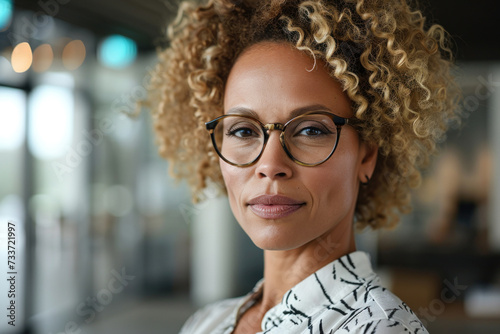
108, 243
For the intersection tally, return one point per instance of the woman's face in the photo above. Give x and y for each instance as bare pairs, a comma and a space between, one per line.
280, 204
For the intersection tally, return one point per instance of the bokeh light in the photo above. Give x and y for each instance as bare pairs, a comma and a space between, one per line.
21, 58
50, 122
117, 51
5, 14
43, 57
12, 113
73, 54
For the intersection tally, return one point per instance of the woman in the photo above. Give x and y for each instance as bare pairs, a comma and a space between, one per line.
320, 114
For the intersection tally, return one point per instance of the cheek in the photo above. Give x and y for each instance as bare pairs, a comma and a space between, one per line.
228, 174
335, 183
235, 180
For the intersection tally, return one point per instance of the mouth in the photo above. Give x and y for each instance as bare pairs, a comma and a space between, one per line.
274, 206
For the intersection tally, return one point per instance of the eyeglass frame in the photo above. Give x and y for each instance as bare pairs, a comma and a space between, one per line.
267, 128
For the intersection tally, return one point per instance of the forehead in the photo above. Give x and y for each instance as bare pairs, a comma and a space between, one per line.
273, 79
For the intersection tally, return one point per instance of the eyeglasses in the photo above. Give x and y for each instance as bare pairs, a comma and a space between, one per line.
308, 139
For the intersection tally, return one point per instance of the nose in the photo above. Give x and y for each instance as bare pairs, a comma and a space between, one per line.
274, 163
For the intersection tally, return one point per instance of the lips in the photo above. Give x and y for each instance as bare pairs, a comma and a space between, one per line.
274, 206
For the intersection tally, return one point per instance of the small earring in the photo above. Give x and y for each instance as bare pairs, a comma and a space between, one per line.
366, 182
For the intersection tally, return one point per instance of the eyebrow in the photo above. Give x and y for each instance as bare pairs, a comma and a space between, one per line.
294, 113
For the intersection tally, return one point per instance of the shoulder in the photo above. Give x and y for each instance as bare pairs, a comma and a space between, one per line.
383, 313
208, 318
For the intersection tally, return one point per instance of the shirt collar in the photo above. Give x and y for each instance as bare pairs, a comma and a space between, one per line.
323, 289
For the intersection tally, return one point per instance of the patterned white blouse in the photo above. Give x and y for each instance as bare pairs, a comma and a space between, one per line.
345, 296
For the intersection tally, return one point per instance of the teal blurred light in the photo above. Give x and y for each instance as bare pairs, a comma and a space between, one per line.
5, 13
117, 51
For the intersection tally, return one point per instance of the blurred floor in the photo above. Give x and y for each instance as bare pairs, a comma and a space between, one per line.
153, 316
464, 326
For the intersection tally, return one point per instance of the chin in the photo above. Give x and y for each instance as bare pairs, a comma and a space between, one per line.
267, 240
269, 246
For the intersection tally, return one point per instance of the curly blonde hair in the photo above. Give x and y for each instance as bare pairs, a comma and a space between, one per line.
395, 71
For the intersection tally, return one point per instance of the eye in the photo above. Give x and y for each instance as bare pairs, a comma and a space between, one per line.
242, 133
243, 130
311, 129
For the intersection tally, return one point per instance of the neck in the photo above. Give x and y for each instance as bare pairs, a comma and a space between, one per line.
285, 269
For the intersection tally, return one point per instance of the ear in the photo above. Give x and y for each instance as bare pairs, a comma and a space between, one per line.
368, 155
